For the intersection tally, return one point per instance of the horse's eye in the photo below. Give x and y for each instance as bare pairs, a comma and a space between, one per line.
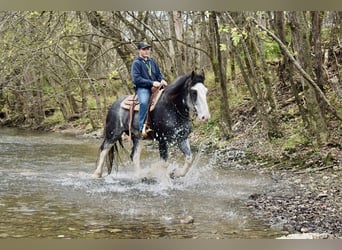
193, 95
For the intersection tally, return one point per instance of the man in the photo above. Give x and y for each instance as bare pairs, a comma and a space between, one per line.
145, 75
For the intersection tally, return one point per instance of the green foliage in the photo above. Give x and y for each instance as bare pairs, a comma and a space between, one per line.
57, 52
294, 141
113, 74
223, 47
91, 103
271, 50
237, 35
56, 118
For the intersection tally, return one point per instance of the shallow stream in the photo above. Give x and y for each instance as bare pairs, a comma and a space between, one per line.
47, 191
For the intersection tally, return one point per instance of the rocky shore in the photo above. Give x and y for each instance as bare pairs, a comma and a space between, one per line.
306, 203
303, 203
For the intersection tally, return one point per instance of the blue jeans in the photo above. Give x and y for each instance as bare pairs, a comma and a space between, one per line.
143, 97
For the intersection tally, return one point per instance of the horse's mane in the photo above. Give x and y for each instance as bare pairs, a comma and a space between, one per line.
177, 87
176, 84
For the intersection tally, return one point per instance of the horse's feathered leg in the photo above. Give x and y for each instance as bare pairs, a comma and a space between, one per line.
134, 147
135, 155
105, 147
163, 152
184, 146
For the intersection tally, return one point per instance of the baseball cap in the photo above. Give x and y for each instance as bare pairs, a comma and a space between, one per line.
143, 45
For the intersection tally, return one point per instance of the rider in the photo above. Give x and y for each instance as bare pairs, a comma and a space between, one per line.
145, 74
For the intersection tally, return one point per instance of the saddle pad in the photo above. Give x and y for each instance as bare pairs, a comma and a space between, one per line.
133, 99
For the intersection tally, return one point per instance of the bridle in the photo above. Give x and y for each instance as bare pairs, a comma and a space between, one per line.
188, 107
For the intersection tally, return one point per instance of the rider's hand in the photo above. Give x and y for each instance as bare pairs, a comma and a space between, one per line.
159, 84
156, 84
163, 82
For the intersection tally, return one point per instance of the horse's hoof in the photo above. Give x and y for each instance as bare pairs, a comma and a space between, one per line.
96, 175
148, 180
174, 175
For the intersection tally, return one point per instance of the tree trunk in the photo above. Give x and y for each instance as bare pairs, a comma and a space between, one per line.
317, 126
219, 67
316, 44
287, 65
273, 126
176, 31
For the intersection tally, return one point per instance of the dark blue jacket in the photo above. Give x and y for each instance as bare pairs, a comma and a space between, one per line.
140, 72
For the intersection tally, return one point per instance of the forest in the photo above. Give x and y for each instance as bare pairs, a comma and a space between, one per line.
271, 74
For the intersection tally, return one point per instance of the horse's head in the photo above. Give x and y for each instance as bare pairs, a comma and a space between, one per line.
197, 99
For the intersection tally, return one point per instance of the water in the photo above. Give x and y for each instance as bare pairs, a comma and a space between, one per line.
47, 191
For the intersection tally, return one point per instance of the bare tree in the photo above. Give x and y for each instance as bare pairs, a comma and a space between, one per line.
176, 31
219, 68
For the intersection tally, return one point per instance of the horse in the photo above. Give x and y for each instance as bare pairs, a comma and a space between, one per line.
169, 120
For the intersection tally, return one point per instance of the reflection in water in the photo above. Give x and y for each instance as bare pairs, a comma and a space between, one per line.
47, 191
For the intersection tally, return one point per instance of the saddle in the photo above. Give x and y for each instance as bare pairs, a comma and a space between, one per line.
131, 103
132, 100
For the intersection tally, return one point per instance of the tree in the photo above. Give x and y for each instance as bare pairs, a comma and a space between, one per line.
219, 68
78, 62
177, 49
317, 126
259, 87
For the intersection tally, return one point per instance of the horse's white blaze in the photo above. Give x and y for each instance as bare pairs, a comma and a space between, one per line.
201, 104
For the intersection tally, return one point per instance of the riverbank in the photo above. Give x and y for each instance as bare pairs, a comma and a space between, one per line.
308, 201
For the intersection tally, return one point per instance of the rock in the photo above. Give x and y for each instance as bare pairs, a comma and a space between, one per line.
187, 220
322, 195
309, 236
278, 226
304, 230
114, 230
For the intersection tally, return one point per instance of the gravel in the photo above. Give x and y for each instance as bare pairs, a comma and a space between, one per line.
310, 202
305, 203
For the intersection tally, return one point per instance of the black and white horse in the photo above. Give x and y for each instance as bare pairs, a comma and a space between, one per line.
170, 122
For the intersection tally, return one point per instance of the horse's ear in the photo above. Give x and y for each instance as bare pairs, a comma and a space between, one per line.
192, 74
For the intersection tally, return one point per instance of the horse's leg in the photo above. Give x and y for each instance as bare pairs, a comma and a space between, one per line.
184, 146
135, 155
105, 147
163, 152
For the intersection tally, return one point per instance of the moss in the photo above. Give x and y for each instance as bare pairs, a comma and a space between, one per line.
291, 143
